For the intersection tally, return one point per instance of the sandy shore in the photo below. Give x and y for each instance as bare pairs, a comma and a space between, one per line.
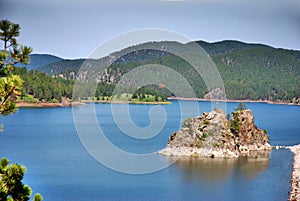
40, 104
295, 181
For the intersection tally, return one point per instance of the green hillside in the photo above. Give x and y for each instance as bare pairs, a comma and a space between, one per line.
227, 46
260, 73
44, 87
249, 71
58, 67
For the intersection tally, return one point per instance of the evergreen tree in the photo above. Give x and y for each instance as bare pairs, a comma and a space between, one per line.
11, 186
241, 106
12, 53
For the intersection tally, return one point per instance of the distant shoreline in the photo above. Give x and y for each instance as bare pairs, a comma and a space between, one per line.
41, 104
23, 104
234, 101
127, 102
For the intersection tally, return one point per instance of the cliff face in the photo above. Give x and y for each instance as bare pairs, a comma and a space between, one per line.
212, 135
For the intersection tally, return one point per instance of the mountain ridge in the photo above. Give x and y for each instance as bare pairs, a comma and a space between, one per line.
249, 71
38, 60
212, 48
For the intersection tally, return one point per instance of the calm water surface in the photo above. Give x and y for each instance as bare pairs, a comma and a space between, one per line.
59, 167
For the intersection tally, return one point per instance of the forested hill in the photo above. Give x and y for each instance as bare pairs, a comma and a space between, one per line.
63, 66
261, 73
39, 60
227, 46
249, 71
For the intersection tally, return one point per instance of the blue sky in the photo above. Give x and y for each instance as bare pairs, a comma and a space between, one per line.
74, 28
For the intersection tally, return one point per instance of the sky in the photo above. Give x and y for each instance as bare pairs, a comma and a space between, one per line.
74, 28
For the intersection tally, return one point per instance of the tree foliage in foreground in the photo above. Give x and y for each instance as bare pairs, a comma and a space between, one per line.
12, 53
11, 186
11, 175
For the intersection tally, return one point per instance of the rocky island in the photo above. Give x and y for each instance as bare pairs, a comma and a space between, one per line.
215, 135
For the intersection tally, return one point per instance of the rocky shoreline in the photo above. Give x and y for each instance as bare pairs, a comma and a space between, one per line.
295, 181
254, 152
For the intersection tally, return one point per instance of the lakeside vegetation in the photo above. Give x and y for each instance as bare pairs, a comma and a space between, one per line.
129, 98
38, 86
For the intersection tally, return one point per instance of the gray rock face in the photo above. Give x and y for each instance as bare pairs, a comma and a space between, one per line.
212, 135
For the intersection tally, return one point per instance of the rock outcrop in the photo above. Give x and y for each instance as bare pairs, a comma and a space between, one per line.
212, 135
217, 94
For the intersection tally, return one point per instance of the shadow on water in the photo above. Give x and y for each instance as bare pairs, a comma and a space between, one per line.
221, 169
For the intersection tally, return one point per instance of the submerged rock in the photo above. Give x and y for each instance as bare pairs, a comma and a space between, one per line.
212, 135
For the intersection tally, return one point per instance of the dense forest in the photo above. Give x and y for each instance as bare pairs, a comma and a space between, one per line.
41, 86
249, 71
38, 86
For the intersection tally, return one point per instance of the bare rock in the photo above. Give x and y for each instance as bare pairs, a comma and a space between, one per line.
212, 135
216, 93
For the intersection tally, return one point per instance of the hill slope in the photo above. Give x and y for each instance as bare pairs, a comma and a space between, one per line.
227, 46
249, 71
39, 60
61, 66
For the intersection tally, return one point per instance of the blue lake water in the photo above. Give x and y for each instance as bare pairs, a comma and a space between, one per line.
59, 167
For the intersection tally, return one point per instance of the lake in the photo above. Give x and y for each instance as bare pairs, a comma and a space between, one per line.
60, 168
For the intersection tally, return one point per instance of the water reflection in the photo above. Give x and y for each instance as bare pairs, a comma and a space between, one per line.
219, 169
